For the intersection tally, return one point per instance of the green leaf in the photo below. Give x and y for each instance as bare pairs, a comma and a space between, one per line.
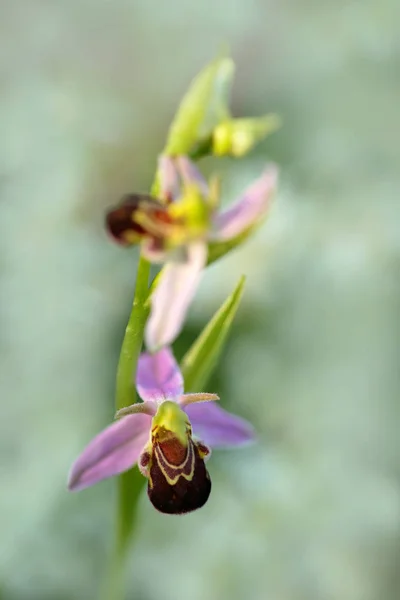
202, 108
201, 359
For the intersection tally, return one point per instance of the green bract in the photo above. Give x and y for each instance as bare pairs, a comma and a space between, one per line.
203, 107
201, 359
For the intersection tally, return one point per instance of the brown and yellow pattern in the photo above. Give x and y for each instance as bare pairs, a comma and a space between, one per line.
137, 216
178, 479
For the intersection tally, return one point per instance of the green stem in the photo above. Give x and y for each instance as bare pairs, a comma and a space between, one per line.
130, 483
132, 343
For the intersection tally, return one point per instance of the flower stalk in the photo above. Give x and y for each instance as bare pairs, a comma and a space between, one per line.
133, 339
130, 483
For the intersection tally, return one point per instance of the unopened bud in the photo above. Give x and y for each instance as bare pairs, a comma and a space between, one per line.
237, 137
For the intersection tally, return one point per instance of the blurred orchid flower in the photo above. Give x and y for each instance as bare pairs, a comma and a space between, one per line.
176, 230
169, 436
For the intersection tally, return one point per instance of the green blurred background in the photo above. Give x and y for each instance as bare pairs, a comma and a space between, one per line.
88, 89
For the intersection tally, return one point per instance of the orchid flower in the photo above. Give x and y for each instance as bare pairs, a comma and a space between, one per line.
176, 228
169, 436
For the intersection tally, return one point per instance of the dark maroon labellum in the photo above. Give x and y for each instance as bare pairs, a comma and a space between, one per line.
178, 479
121, 222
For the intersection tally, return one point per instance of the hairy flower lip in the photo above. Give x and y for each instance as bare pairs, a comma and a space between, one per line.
138, 217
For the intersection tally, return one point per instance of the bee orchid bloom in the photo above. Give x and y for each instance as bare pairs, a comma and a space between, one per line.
176, 229
169, 436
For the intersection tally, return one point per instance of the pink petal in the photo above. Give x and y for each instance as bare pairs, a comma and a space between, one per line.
169, 179
218, 428
148, 408
251, 207
111, 452
186, 399
159, 376
191, 175
172, 296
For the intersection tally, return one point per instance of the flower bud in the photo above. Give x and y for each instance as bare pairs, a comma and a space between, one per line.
236, 137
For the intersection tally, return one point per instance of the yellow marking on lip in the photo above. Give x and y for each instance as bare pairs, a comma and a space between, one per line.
187, 476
